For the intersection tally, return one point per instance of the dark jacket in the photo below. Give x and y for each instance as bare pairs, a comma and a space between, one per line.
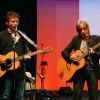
75, 45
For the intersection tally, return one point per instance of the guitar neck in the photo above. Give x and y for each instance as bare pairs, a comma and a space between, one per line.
36, 52
87, 52
30, 54
46, 50
96, 46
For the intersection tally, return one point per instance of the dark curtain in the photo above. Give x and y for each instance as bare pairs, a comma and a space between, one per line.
27, 10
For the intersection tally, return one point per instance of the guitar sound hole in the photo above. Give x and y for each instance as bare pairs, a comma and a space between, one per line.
76, 63
8, 62
6, 65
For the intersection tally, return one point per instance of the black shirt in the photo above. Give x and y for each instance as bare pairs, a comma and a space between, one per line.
7, 46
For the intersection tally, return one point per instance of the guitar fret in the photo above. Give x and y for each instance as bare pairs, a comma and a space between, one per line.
86, 53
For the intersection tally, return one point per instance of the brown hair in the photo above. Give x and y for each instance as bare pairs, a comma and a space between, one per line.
79, 24
11, 14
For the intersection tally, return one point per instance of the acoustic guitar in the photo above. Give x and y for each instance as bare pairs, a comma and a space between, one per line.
9, 62
68, 72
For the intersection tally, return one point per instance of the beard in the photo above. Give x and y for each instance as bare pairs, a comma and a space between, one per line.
85, 36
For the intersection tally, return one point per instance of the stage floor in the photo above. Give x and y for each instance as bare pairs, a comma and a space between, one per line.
53, 95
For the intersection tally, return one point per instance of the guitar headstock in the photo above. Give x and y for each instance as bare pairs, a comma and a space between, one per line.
47, 50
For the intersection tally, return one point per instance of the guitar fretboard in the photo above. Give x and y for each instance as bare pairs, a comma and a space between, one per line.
47, 50
30, 54
87, 52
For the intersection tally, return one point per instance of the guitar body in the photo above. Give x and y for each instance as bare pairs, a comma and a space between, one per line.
68, 71
10, 60
10, 56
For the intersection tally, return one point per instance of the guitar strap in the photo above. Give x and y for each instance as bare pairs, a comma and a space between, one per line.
27, 39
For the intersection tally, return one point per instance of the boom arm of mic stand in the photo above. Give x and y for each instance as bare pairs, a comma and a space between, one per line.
41, 76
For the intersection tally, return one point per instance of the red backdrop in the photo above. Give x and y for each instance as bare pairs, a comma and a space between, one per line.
56, 20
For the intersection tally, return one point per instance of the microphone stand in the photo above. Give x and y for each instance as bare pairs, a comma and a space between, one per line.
14, 42
43, 64
40, 75
44, 94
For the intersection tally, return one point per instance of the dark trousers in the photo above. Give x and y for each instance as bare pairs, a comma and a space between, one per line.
18, 89
92, 84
